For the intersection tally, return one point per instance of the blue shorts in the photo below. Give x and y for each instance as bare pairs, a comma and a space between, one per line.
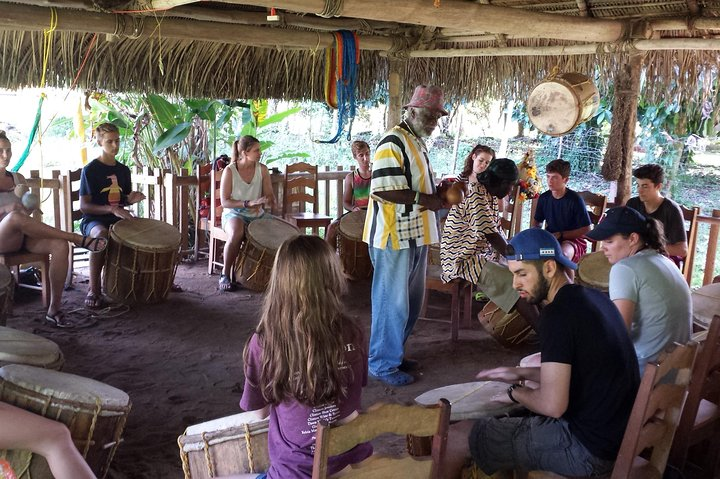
261, 476
87, 226
248, 215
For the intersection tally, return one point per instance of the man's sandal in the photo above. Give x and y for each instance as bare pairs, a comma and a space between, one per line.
94, 300
58, 320
225, 284
93, 244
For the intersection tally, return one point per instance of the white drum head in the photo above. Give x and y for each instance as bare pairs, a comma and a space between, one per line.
19, 347
64, 386
146, 234
222, 423
352, 224
470, 400
271, 232
553, 108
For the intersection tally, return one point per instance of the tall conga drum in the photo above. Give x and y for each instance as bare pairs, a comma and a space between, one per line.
594, 271
19, 347
353, 251
561, 102
230, 445
7, 288
509, 329
95, 413
141, 259
263, 237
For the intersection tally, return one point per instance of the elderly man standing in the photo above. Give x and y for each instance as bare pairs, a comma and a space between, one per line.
400, 225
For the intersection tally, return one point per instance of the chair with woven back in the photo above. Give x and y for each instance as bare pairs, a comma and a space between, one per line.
653, 420
412, 421
300, 187
217, 234
700, 420
690, 215
596, 206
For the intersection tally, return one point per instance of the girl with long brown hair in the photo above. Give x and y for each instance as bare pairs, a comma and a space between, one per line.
306, 361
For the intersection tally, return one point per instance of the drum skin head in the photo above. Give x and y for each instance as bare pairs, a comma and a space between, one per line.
558, 105
271, 232
146, 234
594, 271
352, 224
20, 347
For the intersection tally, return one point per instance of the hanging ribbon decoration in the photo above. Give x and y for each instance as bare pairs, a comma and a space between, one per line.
47, 49
341, 70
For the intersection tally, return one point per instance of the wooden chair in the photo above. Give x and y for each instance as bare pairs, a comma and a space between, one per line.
412, 420
217, 235
700, 420
511, 213
202, 227
654, 417
298, 190
14, 260
70, 184
596, 205
459, 291
691, 216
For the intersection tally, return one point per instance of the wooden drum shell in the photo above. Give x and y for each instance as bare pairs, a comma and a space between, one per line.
560, 103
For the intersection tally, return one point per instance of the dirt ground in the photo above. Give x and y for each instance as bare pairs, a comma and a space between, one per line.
181, 361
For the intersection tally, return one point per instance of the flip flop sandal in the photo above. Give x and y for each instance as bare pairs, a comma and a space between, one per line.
94, 301
93, 244
397, 378
224, 284
58, 320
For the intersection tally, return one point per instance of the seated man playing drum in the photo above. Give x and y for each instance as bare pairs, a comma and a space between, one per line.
563, 211
356, 187
472, 239
580, 411
105, 190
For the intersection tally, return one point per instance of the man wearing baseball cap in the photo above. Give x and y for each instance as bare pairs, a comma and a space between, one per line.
588, 378
399, 227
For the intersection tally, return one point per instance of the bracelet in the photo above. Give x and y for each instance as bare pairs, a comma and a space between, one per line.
417, 198
245, 203
510, 390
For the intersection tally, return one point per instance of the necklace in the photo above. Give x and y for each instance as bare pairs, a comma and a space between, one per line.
409, 129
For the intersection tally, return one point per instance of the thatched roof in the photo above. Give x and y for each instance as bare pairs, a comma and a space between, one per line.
217, 50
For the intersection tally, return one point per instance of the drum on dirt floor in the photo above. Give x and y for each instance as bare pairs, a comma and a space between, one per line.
561, 102
594, 271
7, 290
510, 329
230, 445
95, 413
141, 259
19, 347
472, 400
353, 251
263, 237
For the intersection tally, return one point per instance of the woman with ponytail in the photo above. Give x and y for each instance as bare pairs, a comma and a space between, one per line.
645, 285
245, 192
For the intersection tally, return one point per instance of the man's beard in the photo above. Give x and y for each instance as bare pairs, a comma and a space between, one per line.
540, 292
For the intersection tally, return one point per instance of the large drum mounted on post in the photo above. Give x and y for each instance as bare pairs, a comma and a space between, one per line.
561, 102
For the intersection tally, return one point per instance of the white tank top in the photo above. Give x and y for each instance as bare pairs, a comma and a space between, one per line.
246, 191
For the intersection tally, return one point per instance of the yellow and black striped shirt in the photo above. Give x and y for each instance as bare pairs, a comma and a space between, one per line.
401, 162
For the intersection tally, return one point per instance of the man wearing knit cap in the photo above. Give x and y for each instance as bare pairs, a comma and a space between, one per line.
473, 240
399, 227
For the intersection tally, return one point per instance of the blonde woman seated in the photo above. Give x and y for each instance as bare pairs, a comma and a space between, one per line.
245, 189
18, 231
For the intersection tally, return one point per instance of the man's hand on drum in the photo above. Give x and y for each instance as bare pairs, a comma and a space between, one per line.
121, 212
504, 374
134, 197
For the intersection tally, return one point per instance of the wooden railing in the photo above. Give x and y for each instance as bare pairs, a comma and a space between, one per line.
171, 198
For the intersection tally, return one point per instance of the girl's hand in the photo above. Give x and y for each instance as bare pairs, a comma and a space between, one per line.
258, 202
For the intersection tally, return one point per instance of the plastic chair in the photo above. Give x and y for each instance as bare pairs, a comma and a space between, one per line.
596, 205
382, 418
700, 420
217, 235
654, 417
691, 216
298, 190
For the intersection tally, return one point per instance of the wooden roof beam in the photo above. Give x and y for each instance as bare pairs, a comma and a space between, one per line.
31, 18
477, 17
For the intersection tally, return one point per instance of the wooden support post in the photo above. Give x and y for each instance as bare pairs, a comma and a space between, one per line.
711, 250
394, 111
617, 164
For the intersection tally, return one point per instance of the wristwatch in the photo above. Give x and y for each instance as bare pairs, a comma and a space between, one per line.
510, 390
245, 203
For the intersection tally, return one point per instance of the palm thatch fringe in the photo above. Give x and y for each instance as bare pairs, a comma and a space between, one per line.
204, 69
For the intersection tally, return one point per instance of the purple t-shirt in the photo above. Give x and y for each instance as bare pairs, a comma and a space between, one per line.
291, 435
